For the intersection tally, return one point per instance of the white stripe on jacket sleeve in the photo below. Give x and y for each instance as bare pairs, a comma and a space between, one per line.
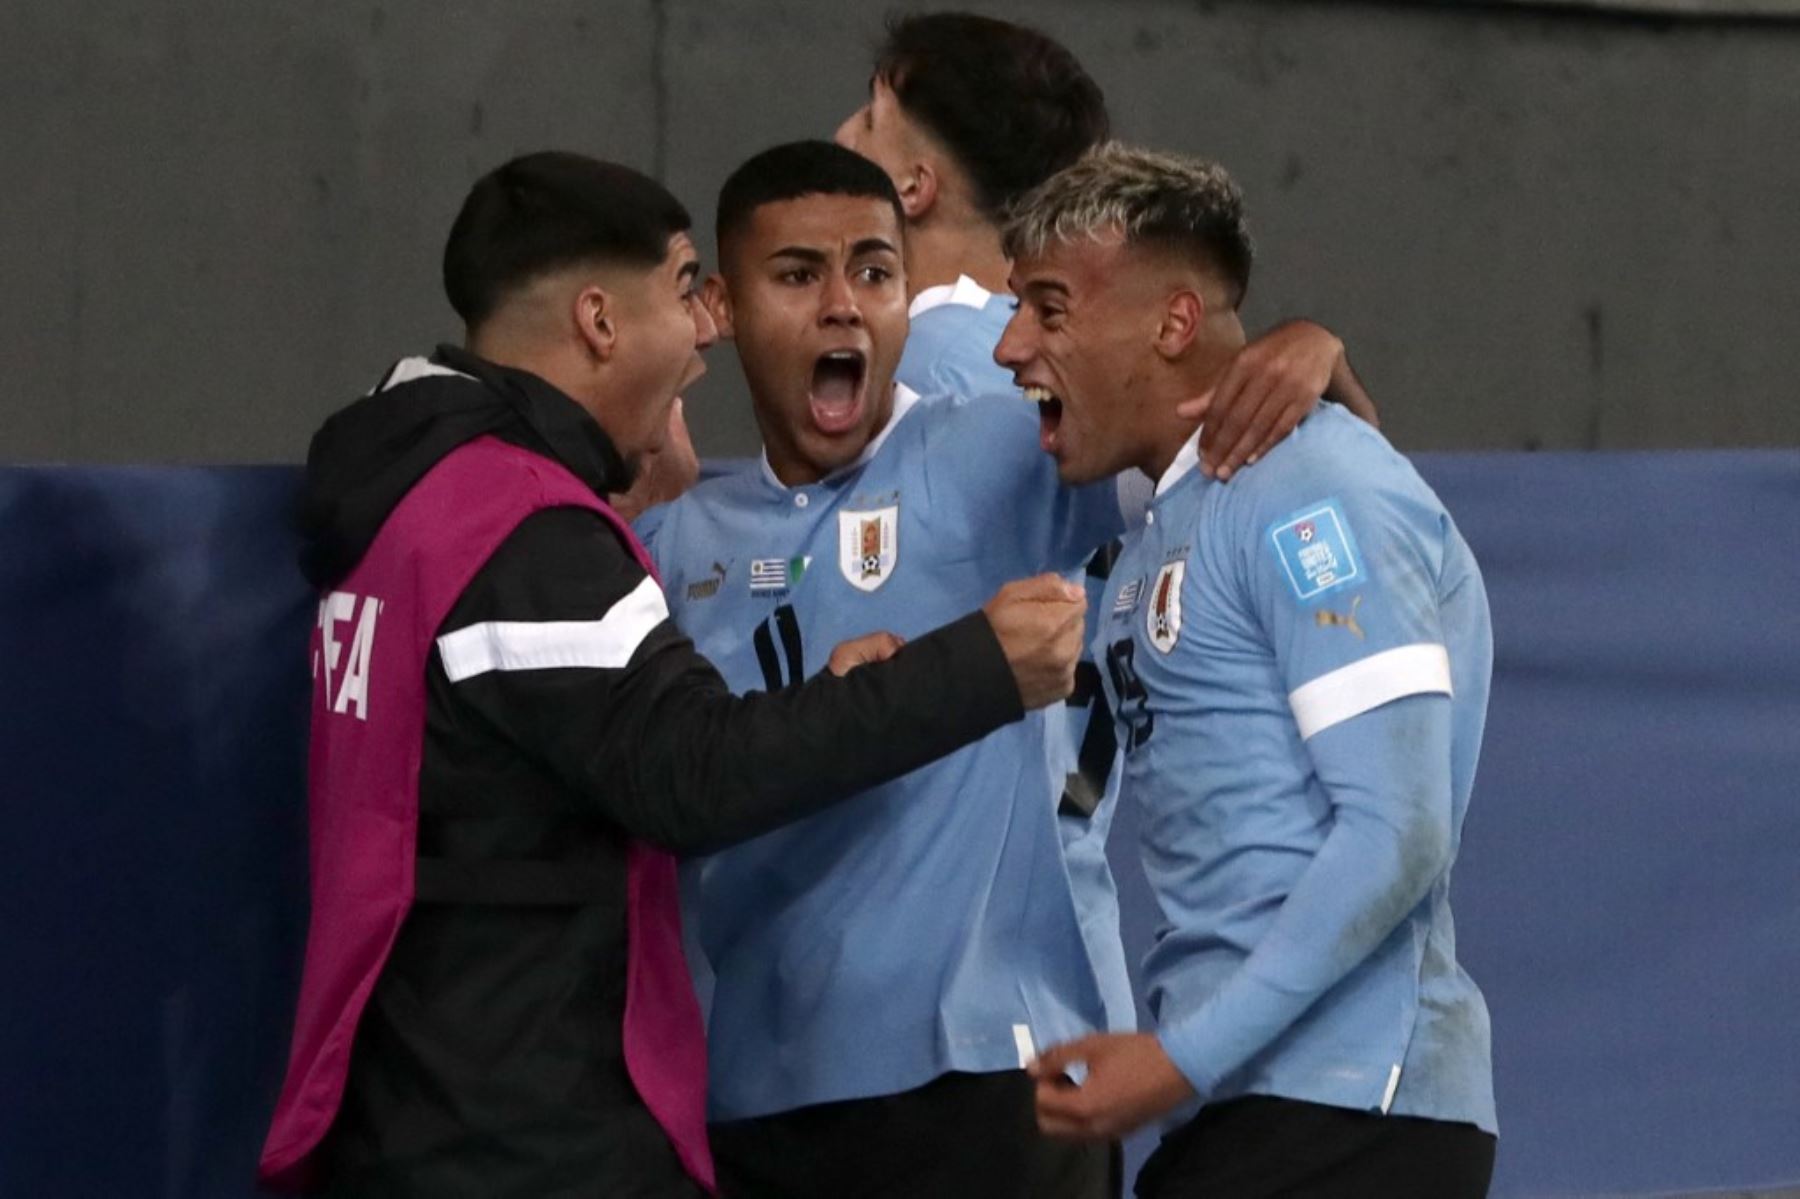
607, 643
1368, 683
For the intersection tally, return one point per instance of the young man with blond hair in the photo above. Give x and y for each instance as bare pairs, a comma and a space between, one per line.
1298, 664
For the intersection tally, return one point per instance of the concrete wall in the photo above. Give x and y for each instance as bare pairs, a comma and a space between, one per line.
221, 220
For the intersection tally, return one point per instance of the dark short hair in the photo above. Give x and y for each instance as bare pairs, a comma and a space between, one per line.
1012, 105
795, 169
547, 211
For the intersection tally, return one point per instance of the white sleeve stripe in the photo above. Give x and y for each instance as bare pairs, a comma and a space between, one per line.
1367, 684
607, 643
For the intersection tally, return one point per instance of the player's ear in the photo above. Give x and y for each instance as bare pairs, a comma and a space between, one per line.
717, 301
596, 322
1183, 315
919, 190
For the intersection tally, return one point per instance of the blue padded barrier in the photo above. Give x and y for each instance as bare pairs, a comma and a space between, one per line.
1628, 895
153, 830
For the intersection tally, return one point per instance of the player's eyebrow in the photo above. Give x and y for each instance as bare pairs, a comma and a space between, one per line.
803, 253
873, 245
1039, 286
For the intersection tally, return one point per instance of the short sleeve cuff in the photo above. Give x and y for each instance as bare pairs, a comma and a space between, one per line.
1368, 683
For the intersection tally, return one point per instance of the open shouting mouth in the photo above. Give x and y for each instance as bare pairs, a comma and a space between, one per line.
836, 396
1050, 413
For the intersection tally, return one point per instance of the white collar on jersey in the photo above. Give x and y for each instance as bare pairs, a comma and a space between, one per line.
964, 291
904, 398
1186, 459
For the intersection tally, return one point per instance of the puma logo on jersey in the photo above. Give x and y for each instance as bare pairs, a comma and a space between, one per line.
345, 678
1326, 619
708, 587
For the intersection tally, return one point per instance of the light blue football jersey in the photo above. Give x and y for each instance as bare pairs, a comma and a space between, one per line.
1299, 664
925, 926
950, 341
950, 351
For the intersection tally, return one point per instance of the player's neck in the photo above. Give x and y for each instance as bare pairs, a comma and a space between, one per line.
1165, 431
792, 468
1164, 445
521, 350
938, 253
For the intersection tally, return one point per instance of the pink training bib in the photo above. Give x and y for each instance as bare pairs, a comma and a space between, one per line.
370, 648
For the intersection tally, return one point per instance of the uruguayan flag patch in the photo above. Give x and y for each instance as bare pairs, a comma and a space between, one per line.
1317, 551
1128, 597
776, 576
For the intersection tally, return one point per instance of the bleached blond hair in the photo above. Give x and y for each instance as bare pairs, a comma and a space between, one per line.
1189, 205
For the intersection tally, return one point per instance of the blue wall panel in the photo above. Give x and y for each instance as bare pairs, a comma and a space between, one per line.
1629, 894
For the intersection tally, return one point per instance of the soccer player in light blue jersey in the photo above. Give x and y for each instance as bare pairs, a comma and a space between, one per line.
1299, 666
880, 982
966, 113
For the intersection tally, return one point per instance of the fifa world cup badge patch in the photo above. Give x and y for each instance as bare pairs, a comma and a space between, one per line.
868, 546
1317, 551
1162, 619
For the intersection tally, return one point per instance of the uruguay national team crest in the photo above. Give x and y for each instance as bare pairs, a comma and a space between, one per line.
1162, 620
868, 546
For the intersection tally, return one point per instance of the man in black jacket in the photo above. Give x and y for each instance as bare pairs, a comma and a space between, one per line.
488, 1060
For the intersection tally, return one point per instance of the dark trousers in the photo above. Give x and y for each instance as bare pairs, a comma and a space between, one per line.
960, 1136
1263, 1146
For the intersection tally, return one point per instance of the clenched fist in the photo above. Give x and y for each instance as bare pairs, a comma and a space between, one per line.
1039, 622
